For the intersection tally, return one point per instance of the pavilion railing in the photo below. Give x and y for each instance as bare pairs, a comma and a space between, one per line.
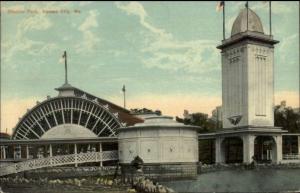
292, 156
58, 161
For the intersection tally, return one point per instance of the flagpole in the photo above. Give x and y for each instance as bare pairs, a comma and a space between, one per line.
124, 100
247, 13
124, 95
223, 20
66, 68
270, 16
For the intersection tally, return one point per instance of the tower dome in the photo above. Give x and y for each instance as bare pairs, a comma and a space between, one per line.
240, 23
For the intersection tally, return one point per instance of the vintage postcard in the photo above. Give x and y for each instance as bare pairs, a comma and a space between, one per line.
144, 96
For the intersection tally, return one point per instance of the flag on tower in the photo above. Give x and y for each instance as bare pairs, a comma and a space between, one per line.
123, 89
220, 6
63, 58
64, 55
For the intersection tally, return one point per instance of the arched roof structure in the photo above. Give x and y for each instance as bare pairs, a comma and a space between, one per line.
75, 111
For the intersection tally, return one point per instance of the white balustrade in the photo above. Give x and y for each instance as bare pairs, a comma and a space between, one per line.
58, 161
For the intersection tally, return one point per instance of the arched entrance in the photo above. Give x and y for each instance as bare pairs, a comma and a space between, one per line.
232, 147
264, 149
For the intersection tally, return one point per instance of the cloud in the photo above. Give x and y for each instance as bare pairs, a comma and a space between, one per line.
136, 8
37, 22
90, 39
20, 43
286, 43
198, 56
162, 50
279, 8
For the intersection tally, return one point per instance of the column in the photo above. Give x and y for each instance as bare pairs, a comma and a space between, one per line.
248, 148
100, 150
50, 150
27, 152
278, 141
75, 153
3, 153
50, 153
18, 153
219, 153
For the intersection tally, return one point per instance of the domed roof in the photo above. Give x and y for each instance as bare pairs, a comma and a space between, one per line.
159, 121
240, 23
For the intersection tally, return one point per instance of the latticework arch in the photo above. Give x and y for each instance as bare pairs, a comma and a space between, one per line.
67, 110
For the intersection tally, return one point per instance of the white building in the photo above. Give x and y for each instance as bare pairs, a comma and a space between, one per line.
217, 114
163, 144
248, 92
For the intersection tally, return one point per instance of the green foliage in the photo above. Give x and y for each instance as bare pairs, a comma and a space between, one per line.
200, 119
287, 118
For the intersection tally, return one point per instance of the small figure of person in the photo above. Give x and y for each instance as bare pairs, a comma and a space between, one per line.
253, 163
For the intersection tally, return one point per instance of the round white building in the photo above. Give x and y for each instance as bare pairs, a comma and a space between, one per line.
168, 148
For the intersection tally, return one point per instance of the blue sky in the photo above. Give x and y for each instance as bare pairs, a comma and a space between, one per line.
164, 52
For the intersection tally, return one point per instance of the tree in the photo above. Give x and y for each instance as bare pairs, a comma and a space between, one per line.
287, 118
201, 120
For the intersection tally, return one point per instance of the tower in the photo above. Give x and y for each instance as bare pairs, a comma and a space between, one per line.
248, 86
247, 74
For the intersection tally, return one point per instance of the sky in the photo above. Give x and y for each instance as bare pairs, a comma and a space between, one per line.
164, 52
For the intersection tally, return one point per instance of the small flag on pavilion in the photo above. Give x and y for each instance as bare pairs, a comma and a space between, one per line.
220, 6
64, 55
247, 4
63, 58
